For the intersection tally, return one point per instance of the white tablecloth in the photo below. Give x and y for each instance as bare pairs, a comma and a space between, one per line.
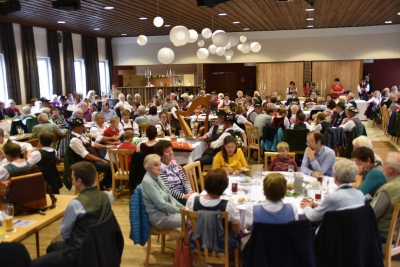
6, 126
362, 107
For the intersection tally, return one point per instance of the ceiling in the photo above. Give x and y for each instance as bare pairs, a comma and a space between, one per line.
257, 15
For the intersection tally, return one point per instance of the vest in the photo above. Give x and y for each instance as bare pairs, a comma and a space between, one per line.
357, 121
47, 166
325, 125
242, 126
248, 117
392, 189
285, 215
299, 126
97, 206
279, 122
216, 133
11, 168
88, 147
164, 130
221, 206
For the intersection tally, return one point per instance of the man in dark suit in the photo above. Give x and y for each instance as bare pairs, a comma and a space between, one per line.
370, 82
340, 115
63, 107
322, 124
3, 112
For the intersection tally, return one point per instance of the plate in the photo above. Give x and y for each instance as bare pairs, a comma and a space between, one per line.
248, 183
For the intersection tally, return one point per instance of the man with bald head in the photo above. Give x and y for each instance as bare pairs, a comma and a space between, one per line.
388, 194
45, 126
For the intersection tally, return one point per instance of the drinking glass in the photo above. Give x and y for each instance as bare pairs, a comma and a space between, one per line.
7, 135
291, 171
8, 209
319, 175
143, 135
2, 226
234, 186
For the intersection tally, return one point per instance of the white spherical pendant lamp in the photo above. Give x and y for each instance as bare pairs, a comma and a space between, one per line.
233, 39
228, 58
200, 43
228, 53
240, 47
220, 38
243, 38
166, 55
255, 47
228, 46
202, 53
206, 33
193, 36
158, 21
220, 51
179, 35
212, 49
142, 40
246, 48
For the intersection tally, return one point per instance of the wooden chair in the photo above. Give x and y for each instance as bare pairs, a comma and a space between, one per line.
169, 114
121, 160
393, 248
206, 168
163, 232
383, 112
57, 139
208, 256
273, 155
33, 142
143, 128
253, 141
194, 175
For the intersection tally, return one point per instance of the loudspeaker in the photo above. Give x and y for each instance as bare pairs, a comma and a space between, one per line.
7, 7
67, 4
210, 3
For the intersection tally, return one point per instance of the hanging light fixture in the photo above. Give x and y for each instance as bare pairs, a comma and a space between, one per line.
158, 21
220, 51
193, 36
200, 43
255, 47
212, 49
233, 39
142, 40
179, 35
243, 39
206, 33
166, 55
246, 48
202, 53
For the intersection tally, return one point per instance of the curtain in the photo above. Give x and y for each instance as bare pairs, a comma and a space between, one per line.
69, 70
29, 59
91, 58
7, 47
54, 55
110, 60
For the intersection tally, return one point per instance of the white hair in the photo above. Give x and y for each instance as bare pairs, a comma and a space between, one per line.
77, 110
342, 97
351, 95
362, 141
345, 170
393, 160
141, 110
121, 95
239, 93
151, 159
26, 109
43, 117
136, 95
393, 95
220, 95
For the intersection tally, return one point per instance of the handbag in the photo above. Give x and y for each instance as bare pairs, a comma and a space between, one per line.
183, 254
27, 193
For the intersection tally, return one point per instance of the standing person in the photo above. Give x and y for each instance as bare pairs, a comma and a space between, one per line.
114, 91
369, 82
292, 88
89, 208
363, 89
317, 157
337, 89
306, 88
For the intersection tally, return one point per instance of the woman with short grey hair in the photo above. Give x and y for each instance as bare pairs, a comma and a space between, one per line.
142, 118
161, 207
344, 197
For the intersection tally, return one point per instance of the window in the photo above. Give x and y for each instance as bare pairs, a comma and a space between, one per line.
3, 81
80, 76
45, 81
104, 79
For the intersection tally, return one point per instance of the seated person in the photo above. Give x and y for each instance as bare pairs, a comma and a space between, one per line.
320, 104
142, 118
171, 172
26, 114
293, 112
281, 120
127, 144
112, 130
372, 175
127, 124
12, 152
311, 101
272, 210
352, 120
300, 124
339, 116
363, 141
230, 158
393, 104
147, 147
163, 127
329, 102
322, 124
12, 110
97, 132
215, 183
282, 161
344, 197
57, 117
351, 100
293, 99
90, 207
162, 209
46, 159
317, 157
240, 119
153, 117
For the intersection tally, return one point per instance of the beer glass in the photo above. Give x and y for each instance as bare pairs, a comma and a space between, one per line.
8, 209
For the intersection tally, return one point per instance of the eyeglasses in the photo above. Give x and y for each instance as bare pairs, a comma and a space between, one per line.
310, 142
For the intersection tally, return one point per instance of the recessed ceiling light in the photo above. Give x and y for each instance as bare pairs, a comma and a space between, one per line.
167, 25
236, 22
223, 14
96, 29
309, 18
246, 29
309, 9
61, 22
388, 22
143, 18
123, 34
398, 13
108, 7
310, 26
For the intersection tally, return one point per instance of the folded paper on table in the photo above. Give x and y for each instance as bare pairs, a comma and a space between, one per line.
182, 146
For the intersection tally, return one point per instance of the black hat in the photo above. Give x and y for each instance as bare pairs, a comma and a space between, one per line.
250, 94
221, 113
76, 122
340, 104
214, 92
347, 92
258, 105
62, 98
181, 100
230, 116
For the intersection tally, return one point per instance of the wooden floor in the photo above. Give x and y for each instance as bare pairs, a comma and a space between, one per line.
134, 255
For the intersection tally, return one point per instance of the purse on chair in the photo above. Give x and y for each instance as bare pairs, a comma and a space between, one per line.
27, 193
183, 254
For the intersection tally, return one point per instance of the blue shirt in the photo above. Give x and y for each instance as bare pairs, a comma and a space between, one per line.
323, 162
108, 114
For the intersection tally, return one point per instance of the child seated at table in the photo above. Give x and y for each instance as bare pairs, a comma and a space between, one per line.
300, 123
112, 130
282, 161
127, 144
272, 210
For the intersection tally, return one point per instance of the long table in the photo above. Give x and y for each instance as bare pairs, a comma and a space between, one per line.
41, 221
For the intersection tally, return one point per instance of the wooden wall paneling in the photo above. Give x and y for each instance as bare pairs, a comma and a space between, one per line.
349, 72
200, 76
162, 69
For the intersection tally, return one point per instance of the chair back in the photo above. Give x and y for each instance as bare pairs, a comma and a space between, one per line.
57, 139
393, 237
273, 155
189, 221
33, 142
119, 171
30, 123
253, 137
194, 175
103, 244
296, 139
312, 113
143, 128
